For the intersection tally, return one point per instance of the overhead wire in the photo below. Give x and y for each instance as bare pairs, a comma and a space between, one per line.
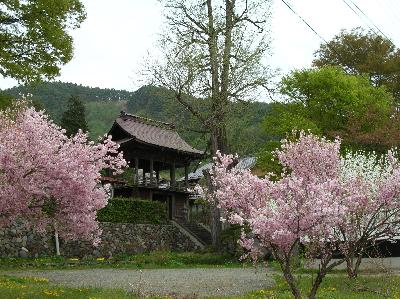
339, 56
364, 14
366, 23
369, 19
304, 21
313, 30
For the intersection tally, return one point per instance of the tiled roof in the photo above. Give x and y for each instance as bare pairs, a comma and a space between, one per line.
243, 164
153, 132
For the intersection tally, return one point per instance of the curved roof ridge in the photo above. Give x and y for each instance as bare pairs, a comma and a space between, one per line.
148, 121
152, 132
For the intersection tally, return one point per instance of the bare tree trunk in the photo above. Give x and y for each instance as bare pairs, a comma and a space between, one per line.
316, 284
353, 268
284, 260
358, 263
292, 283
57, 242
218, 143
349, 267
325, 267
216, 228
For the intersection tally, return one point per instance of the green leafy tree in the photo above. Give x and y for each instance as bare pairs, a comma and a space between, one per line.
329, 102
330, 97
74, 117
5, 100
34, 37
284, 117
359, 52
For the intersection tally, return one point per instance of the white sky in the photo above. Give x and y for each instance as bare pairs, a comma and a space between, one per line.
114, 39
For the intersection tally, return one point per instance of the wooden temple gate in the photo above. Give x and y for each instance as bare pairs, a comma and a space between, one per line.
153, 148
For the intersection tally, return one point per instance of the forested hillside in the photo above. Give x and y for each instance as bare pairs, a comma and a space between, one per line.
103, 105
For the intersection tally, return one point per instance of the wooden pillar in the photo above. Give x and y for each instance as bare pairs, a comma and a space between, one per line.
151, 171
173, 206
187, 207
186, 175
136, 175
157, 177
172, 174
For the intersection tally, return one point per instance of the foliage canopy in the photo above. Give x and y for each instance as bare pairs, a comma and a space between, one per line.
359, 52
34, 37
330, 102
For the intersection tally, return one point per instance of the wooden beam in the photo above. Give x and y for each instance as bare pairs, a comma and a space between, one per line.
146, 152
151, 171
186, 175
136, 175
172, 174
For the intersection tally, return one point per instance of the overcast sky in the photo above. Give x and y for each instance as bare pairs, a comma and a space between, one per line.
116, 36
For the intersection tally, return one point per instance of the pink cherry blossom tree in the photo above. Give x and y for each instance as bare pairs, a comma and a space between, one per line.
322, 200
374, 213
50, 180
300, 208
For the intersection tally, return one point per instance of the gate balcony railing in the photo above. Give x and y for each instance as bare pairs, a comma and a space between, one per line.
164, 184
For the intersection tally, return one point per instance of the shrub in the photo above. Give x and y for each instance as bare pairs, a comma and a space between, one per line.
125, 210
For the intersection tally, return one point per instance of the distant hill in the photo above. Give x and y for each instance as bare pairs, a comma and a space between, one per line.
54, 95
103, 105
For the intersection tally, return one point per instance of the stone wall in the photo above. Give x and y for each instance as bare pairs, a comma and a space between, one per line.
117, 238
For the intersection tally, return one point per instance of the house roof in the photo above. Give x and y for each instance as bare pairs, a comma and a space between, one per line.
243, 164
153, 132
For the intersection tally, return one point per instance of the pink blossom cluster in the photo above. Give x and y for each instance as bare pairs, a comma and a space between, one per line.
320, 200
301, 206
374, 212
50, 180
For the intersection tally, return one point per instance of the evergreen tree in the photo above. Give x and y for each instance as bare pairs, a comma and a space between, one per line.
5, 100
74, 117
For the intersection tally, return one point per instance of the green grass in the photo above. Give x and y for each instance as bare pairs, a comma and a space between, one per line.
303, 269
336, 287
153, 260
333, 287
35, 288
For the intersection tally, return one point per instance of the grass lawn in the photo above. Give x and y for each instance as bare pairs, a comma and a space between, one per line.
34, 288
337, 287
334, 287
153, 260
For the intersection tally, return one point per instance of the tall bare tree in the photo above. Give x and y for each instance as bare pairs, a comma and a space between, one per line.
212, 54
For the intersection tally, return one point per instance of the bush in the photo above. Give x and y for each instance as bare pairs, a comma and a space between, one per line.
125, 210
230, 237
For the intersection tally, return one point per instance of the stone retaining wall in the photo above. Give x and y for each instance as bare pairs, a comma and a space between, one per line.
117, 238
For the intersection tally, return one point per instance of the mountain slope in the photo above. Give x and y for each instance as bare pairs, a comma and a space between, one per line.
245, 133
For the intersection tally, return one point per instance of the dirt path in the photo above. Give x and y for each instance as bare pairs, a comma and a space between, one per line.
196, 282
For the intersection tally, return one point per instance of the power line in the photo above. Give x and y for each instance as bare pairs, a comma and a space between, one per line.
304, 21
321, 37
349, 6
369, 19
364, 14
313, 30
